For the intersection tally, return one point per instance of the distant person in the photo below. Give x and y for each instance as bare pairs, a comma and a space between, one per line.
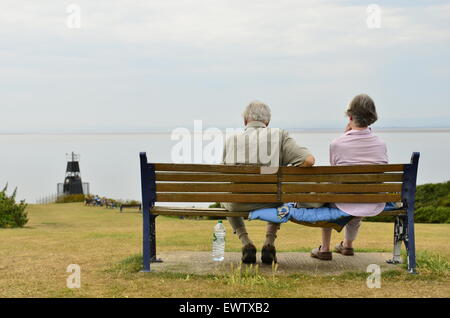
244, 148
357, 146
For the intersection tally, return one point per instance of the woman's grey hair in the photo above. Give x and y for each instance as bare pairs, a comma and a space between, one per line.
362, 110
257, 111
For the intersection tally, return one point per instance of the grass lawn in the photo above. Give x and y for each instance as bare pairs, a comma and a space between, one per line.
106, 244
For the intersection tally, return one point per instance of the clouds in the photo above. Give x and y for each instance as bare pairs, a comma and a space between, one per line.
165, 63
267, 28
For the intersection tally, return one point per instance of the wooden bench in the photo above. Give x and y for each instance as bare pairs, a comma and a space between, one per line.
165, 182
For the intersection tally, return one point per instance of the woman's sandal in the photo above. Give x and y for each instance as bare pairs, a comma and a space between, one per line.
324, 256
347, 251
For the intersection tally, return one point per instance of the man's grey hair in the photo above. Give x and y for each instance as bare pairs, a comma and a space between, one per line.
362, 109
257, 111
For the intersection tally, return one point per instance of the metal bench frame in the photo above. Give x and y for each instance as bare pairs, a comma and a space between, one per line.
403, 224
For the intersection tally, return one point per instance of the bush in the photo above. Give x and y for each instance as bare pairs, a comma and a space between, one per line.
133, 202
432, 194
432, 204
12, 214
432, 214
445, 201
70, 198
214, 206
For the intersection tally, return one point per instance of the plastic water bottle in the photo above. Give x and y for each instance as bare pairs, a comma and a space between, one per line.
218, 248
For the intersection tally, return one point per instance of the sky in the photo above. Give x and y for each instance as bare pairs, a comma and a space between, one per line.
143, 65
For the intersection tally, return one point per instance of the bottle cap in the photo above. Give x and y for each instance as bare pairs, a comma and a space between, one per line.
220, 221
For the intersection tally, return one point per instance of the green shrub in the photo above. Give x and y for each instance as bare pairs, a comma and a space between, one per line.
432, 194
133, 202
432, 204
12, 214
432, 214
70, 198
214, 206
445, 201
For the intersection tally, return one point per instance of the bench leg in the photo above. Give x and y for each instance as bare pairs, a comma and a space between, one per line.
153, 258
409, 198
146, 237
410, 243
148, 188
399, 236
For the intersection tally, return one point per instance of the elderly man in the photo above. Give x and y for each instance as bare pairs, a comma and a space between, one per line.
261, 145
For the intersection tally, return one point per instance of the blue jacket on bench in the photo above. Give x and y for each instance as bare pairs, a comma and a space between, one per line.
321, 217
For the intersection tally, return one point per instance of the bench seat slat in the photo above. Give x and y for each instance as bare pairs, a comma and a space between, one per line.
367, 178
347, 198
393, 212
340, 188
263, 197
196, 212
207, 168
217, 187
266, 178
343, 169
208, 177
286, 170
272, 188
215, 197
159, 210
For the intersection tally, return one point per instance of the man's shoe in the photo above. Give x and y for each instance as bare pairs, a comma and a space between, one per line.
324, 256
347, 251
249, 254
268, 254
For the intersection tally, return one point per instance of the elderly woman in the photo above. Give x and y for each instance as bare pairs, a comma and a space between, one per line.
358, 145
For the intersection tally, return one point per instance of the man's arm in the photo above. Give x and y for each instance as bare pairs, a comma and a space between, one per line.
309, 161
294, 154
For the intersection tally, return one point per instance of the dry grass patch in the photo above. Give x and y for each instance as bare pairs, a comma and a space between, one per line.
106, 244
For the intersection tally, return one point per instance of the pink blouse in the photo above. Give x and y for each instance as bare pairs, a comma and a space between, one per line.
359, 147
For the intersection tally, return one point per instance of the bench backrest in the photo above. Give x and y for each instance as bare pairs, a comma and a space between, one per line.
165, 182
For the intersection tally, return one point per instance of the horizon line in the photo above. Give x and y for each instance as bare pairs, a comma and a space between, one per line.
169, 130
